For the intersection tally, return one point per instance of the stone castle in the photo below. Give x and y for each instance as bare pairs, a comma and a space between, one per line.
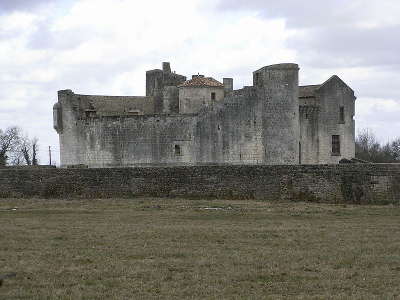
204, 121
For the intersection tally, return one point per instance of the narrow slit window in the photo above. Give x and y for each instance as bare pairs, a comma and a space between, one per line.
299, 153
212, 96
257, 79
335, 145
178, 151
341, 114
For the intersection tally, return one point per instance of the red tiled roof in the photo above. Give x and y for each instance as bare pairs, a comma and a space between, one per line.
200, 81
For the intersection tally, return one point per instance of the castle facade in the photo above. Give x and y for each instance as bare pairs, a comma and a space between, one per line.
204, 121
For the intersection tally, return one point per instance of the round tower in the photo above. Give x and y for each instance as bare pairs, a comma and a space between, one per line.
278, 89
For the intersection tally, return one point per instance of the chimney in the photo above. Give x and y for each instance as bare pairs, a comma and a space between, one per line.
228, 85
166, 67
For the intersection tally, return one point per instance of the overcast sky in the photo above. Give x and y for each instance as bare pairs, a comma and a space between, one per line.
105, 47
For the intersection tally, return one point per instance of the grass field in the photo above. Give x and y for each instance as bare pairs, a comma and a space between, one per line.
191, 249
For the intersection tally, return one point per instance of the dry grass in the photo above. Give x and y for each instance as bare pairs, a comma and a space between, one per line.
176, 249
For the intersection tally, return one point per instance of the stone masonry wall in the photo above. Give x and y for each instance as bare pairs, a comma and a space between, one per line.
361, 184
193, 99
262, 124
331, 96
278, 89
309, 139
118, 141
226, 132
231, 131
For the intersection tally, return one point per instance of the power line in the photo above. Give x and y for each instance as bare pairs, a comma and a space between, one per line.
50, 155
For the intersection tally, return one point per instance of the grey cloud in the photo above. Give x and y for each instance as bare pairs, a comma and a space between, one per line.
44, 38
297, 13
330, 37
383, 85
22, 5
349, 46
383, 117
345, 47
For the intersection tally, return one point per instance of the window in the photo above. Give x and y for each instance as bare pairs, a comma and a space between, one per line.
178, 150
212, 96
134, 112
299, 153
90, 113
335, 145
341, 115
257, 79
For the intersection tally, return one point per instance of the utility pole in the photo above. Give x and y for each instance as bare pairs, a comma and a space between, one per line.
50, 155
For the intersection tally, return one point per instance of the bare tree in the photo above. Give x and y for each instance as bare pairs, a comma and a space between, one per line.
368, 148
9, 142
366, 143
35, 149
395, 149
25, 148
17, 149
28, 149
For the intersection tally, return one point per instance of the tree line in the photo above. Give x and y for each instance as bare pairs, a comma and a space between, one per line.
368, 148
16, 148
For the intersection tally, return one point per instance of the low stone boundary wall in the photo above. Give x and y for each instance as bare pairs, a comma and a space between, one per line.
347, 183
